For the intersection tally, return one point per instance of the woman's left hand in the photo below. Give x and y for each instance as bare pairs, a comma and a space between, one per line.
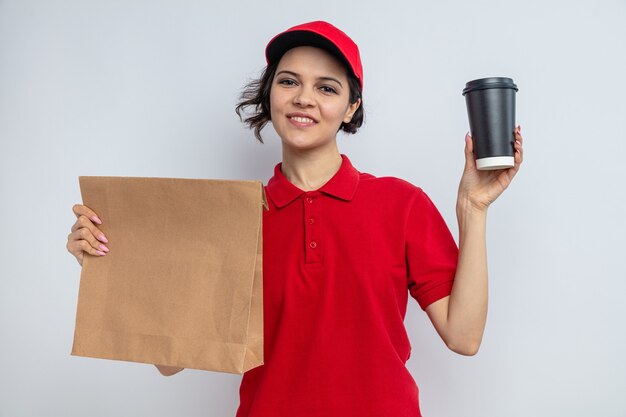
481, 188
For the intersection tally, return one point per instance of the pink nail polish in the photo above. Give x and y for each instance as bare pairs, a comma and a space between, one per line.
101, 238
96, 219
104, 248
99, 252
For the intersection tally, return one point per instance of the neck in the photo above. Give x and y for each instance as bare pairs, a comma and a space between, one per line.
311, 169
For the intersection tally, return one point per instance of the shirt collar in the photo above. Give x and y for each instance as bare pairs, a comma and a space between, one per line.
342, 185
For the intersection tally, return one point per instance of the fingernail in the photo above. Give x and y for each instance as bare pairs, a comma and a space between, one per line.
99, 252
518, 142
104, 248
96, 219
101, 238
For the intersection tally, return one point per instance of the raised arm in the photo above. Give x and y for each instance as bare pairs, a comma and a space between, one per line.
460, 318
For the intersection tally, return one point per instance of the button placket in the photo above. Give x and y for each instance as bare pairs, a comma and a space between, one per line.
311, 235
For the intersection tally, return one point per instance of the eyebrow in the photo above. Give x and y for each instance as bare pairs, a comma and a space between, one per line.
295, 74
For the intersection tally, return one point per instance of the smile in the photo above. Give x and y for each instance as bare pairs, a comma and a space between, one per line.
301, 119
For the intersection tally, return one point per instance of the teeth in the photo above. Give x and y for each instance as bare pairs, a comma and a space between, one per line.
302, 119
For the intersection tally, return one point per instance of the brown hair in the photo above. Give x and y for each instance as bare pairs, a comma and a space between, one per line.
256, 94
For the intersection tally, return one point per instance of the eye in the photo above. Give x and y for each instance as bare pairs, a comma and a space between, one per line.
287, 82
328, 89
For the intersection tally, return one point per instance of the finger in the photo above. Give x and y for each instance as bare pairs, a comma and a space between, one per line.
519, 152
511, 172
469, 142
81, 210
470, 162
80, 247
519, 148
86, 235
84, 222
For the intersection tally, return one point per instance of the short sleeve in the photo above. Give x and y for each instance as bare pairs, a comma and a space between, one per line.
431, 252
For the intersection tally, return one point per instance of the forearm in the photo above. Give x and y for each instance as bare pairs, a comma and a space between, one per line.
467, 308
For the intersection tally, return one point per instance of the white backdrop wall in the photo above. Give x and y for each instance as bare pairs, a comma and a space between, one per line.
147, 88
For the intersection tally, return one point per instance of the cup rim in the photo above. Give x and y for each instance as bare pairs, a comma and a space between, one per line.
488, 83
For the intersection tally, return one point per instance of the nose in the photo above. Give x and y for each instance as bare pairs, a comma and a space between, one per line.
304, 97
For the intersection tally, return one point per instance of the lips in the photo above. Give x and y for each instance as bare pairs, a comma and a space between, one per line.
301, 119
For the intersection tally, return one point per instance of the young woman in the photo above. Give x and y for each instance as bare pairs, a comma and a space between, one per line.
343, 250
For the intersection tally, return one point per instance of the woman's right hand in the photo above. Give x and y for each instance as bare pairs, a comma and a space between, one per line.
85, 236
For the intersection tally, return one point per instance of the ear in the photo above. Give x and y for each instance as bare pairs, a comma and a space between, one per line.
352, 108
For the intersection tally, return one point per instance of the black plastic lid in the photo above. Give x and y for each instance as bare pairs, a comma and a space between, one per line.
491, 82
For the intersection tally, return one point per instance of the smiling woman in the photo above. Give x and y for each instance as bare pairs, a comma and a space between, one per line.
256, 94
336, 284
309, 98
343, 250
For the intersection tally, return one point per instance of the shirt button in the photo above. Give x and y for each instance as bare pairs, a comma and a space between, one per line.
311, 220
309, 199
313, 245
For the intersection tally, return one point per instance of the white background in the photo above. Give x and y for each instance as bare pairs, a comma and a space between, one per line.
148, 88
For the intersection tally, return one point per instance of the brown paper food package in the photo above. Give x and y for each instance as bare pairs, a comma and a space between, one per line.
182, 283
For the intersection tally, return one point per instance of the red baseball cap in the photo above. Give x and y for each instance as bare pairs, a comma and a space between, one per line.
321, 35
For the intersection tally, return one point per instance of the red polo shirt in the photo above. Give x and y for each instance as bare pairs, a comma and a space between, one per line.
338, 266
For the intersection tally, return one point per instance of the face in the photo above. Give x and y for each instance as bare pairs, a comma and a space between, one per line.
309, 98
